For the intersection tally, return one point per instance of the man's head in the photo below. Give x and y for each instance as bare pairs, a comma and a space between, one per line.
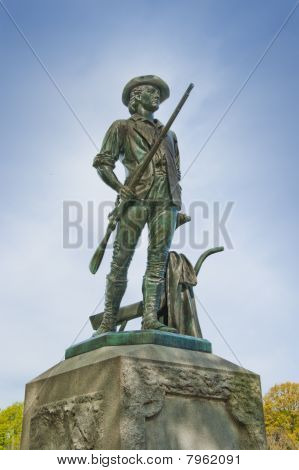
147, 90
147, 96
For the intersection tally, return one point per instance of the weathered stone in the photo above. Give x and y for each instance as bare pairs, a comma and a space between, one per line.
144, 397
76, 423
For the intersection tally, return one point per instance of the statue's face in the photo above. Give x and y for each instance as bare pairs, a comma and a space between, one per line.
150, 98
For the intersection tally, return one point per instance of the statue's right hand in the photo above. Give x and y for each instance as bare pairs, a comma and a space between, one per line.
126, 193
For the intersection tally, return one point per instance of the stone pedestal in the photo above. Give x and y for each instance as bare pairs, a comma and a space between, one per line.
144, 396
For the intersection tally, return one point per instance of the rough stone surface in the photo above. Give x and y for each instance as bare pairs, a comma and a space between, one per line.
76, 423
144, 397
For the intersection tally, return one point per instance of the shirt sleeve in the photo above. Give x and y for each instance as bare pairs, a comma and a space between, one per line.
112, 146
177, 156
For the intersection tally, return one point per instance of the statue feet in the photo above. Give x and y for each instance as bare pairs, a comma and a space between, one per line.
101, 330
108, 324
156, 325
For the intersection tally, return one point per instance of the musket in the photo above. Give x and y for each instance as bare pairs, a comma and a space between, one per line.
116, 214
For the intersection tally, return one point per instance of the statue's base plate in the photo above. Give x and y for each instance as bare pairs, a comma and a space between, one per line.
139, 337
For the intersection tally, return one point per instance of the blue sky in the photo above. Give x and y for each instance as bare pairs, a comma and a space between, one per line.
92, 49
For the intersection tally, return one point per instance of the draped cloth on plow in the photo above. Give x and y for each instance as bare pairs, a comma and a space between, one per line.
180, 301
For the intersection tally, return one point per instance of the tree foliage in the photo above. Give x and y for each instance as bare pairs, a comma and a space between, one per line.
11, 426
281, 408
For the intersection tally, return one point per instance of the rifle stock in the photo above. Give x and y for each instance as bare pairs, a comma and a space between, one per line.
99, 253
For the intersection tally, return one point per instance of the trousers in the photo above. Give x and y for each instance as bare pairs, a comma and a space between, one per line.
161, 220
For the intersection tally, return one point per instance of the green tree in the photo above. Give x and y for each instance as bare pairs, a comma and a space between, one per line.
281, 408
11, 426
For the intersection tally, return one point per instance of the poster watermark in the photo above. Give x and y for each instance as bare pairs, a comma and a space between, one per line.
84, 225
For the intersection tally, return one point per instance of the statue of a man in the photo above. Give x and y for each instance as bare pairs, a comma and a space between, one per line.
155, 201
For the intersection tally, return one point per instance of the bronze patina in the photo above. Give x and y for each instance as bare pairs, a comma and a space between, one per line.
150, 195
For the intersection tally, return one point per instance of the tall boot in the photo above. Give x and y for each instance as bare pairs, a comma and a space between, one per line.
115, 290
152, 290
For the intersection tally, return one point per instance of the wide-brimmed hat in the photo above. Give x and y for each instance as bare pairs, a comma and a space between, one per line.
146, 80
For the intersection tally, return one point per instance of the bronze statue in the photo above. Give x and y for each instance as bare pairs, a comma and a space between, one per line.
150, 194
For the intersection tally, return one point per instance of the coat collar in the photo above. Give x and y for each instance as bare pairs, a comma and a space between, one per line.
147, 131
137, 117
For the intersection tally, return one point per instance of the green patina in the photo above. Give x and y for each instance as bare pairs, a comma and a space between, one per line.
151, 194
139, 337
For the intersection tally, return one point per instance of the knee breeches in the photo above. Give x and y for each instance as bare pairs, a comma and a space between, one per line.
161, 220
